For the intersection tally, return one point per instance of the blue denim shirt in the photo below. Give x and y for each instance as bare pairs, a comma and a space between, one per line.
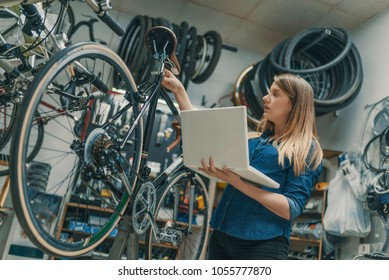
243, 217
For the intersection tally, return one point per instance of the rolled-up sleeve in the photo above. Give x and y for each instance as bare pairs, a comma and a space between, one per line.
298, 189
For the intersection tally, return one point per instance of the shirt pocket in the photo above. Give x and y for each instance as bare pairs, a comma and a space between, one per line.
265, 158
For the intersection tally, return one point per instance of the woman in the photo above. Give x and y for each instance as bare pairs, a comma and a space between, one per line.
254, 222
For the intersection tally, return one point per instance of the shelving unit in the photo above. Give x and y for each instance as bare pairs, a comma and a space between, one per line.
4, 189
77, 226
6, 213
307, 243
70, 229
306, 238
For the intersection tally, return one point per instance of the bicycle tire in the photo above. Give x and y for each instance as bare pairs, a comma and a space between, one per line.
37, 134
138, 59
253, 98
326, 84
215, 43
317, 79
8, 113
193, 244
354, 63
200, 56
182, 38
309, 32
136, 48
144, 71
188, 63
239, 96
67, 24
266, 75
73, 140
124, 41
160, 21
131, 45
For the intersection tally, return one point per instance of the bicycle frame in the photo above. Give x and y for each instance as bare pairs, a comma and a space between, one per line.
149, 98
149, 107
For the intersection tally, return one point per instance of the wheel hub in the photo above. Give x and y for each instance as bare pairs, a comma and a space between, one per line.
96, 146
99, 155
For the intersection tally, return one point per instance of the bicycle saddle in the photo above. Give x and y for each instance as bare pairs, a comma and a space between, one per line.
160, 39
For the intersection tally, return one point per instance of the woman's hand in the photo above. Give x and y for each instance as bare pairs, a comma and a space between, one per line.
173, 84
275, 202
224, 174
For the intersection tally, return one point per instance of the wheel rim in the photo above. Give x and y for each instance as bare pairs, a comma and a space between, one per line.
67, 126
191, 244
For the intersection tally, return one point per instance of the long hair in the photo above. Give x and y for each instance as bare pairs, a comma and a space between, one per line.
300, 130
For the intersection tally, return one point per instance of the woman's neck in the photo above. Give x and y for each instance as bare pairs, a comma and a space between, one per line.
278, 132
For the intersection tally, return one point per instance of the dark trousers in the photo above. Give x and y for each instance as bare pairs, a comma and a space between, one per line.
226, 247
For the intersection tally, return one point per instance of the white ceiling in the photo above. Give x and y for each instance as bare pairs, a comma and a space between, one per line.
257, 25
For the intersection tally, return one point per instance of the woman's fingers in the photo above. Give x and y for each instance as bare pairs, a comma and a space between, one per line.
223, 174
204, 165
212, 165
210, 170
169, 81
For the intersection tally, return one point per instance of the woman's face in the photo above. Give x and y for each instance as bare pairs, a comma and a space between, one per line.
277, 106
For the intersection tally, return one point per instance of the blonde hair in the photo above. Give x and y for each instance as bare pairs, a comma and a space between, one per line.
300, 130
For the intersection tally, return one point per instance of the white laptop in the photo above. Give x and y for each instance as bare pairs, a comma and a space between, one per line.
222, 134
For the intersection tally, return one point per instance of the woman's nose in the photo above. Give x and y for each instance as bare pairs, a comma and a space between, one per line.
265, 99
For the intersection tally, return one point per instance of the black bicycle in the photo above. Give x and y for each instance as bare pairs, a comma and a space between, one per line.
95, 152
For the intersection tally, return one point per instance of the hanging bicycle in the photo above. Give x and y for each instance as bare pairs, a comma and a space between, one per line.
97, 147
32, 33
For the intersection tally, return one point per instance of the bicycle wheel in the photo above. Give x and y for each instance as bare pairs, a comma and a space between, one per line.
61, 8
84, 152
188, 63
239, 96
214, 47
12, 90
316, 35
8, 115
7, 118
180, 238
37, 134
131, 45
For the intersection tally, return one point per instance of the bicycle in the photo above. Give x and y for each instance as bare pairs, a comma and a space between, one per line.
96, 142
25, 46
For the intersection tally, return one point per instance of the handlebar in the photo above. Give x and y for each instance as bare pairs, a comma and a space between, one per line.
108, 20
105, 17
99, 7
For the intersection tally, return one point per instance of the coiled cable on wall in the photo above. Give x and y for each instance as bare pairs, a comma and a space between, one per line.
326, 57
197, 54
